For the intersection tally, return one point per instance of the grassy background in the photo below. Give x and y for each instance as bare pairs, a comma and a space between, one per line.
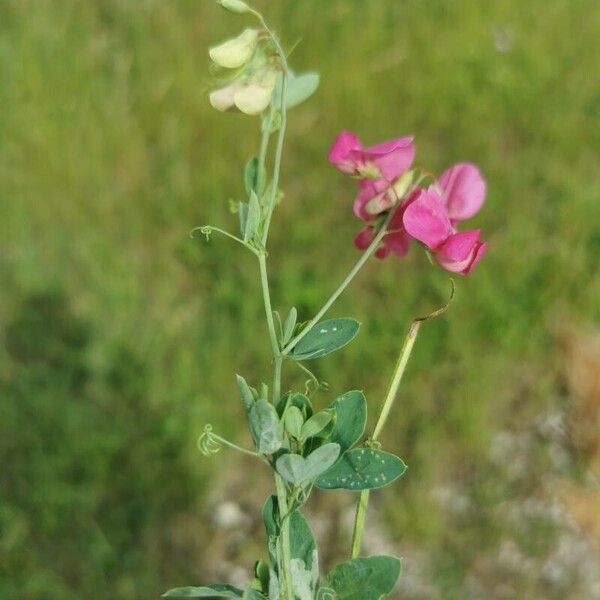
120, 334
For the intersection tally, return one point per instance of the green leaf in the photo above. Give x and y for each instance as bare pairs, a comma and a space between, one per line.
351, 419
316, 424
325, 337
217, 590
252, 594
299, 88
251, 176
362, 579
293, 421
253, 218
362, 469
266, 428
270, 514
245, 392
299, 470
289, 326
304, 557
243, 216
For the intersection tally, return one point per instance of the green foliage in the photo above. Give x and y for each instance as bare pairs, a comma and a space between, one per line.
251, 176
289, 326
293, 421
300, 470
217, 590
326, 337
265, 427
304, 557
362, 579
350, 419
362, 469
252, 221
246, 393
316, 424
299, 88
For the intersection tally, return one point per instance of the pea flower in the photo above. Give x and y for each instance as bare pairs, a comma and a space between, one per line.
386, 161
463, 190
251, 89
236, 52
427, 219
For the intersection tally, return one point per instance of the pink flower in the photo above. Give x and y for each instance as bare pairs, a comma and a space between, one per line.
387, 160
427, 220
396, 240
461, 252
463, 191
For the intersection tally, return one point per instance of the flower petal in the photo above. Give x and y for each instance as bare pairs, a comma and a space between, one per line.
464, 190
372, 199
339, 154
364, 238
391, 158
426, 219
461, 252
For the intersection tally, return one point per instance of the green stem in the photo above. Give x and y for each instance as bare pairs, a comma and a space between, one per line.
262, 154
233, 446
384, 413
264, 282
347, 280
286, 560
208, 229
363, 500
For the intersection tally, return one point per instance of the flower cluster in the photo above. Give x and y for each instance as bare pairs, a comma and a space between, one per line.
429, 215
248, 59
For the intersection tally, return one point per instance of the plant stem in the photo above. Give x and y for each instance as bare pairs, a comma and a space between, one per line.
353, 272
384, 413
264, 282
363, 501
284, 523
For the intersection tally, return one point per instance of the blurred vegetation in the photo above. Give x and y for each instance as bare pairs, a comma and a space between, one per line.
121, 334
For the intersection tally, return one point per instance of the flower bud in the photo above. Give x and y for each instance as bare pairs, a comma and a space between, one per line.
235, 6
403, 183
235, 52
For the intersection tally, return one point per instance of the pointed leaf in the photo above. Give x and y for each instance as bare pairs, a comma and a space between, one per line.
316, 424
245, 392
265, 426
325, 337
362, 579
217, 590
253, 218
251, 176
362, 469
243, 216
351, 419
289, 325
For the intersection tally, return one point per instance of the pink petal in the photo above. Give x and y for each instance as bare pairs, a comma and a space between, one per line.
426, 219
371, 199
460, 245
339, 154
364, 238
461, 252
382, 252
397, 242
464, 190
392, 158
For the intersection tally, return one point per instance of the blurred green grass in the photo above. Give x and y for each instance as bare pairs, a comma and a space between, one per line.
121, 334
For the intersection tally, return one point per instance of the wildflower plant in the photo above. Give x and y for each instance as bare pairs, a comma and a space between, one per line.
305, 447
